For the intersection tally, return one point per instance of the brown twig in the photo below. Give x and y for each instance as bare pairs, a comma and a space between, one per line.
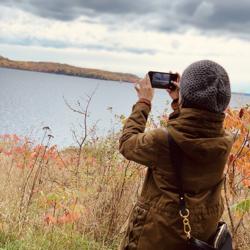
80, 141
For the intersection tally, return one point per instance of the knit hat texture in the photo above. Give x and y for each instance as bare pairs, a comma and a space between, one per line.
205, 85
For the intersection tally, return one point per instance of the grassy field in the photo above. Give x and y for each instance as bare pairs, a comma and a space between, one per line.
81, 197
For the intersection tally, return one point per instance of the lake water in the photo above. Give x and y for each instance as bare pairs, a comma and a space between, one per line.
31, 100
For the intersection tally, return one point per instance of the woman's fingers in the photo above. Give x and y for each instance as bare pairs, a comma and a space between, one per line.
140, 83
144, 88
137, 87
176, 84
179, 76
145, 82
148, 83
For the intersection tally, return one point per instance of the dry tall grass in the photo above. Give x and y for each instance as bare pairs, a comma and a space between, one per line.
63, 199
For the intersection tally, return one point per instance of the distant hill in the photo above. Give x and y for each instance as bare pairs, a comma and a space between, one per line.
65, 69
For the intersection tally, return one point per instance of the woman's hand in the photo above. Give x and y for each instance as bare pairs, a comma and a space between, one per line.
174, 94
144, 89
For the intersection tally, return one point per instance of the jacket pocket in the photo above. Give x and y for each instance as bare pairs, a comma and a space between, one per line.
204, 223
135, 227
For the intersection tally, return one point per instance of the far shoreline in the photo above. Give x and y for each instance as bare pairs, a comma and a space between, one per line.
62, 74
66, 69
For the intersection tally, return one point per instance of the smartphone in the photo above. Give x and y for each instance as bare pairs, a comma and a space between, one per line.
162, 80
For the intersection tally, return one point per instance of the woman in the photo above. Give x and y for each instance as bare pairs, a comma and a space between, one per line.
196, 125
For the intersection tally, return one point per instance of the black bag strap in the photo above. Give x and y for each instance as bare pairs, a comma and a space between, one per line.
176, 157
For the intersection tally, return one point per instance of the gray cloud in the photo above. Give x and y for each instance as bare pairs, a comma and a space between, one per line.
69, 10
53, 43
225, 17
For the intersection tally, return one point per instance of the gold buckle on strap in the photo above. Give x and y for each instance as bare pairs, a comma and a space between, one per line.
186, 225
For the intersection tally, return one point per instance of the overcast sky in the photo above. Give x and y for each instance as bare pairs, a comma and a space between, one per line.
130, 36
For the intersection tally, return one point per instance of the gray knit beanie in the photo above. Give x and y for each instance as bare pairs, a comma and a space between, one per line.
205, 85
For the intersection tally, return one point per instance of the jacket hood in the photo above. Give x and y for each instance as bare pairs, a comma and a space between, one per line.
200, 134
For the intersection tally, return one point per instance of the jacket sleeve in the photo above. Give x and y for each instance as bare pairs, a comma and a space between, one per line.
135, 144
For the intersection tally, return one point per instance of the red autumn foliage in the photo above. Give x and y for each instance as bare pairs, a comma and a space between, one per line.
67, 217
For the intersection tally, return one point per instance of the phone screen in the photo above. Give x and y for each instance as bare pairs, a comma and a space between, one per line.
162, 80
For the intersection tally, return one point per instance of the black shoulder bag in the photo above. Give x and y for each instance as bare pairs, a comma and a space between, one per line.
222, 239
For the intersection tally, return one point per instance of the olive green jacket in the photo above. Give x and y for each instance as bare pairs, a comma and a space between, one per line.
155, 223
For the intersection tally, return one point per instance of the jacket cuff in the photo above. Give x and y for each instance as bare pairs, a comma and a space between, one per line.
142, 106
146, 101
174, 114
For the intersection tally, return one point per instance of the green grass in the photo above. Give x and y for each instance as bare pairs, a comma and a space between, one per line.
56, 240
